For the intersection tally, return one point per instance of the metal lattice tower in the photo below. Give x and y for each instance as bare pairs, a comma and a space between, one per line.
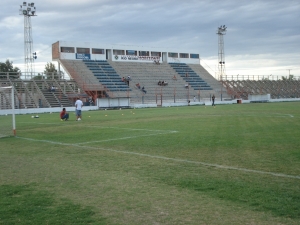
221, 55
28, 10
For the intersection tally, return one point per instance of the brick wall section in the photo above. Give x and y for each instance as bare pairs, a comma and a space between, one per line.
55, 50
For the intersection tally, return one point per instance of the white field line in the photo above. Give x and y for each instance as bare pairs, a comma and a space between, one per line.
167, 158
290, 115
248, 115
120, 128
124, 138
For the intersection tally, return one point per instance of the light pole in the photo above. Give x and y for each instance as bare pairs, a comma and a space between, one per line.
28, 10
289, 72
221, 55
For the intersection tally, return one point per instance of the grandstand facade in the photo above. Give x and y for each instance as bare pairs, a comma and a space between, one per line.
102, 71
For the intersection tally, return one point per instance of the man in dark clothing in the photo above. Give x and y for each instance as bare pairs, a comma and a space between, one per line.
213, 100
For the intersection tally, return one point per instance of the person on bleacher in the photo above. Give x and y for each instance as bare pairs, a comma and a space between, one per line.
143, 89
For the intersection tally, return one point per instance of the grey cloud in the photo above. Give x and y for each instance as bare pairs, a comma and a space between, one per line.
254, 27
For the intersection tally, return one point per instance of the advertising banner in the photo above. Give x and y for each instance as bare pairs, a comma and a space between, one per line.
83, 56
134, 58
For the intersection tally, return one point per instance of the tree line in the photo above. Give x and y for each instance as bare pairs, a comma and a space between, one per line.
50, 72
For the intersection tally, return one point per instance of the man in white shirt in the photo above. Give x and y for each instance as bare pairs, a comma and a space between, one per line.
78, 106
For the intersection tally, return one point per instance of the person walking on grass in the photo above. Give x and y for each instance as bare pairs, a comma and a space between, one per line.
213, 100
78, 106
64, 115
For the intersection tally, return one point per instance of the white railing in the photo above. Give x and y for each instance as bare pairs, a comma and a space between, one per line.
34, 75
259, 77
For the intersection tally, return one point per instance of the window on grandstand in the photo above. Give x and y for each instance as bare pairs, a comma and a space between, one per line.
173, 54
183, 55
194, 56
131, 52
118, 52
143, 53
97, 51
83, 50
156, 54
67, 49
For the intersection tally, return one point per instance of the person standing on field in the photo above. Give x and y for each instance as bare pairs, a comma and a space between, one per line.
213, 100
78, 106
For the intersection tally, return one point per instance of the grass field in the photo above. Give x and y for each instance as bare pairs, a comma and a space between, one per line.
229, 164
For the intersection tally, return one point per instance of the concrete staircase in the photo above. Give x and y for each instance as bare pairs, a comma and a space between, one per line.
211, 81
87, 81
148, 75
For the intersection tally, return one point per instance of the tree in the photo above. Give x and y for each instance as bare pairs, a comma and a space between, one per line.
7, 67
290, 77
38, 77
51, 72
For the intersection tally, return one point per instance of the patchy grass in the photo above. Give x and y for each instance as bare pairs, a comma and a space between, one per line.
156, 166
22, 204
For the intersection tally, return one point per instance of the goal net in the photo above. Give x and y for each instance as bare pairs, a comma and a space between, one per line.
7, 112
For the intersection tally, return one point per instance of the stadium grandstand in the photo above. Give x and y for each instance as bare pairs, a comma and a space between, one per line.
119, 73
124, 76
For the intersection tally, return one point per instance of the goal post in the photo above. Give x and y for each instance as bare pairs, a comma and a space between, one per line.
7, 115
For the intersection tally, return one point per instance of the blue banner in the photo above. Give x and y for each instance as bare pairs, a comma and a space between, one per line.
83, 56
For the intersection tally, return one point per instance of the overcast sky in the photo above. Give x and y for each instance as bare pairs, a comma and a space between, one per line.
263, 37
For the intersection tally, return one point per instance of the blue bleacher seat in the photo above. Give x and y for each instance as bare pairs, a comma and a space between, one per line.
192, 79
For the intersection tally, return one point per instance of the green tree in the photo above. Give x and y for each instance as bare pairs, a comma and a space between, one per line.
290, 77
38, 77
51, 72
7, 67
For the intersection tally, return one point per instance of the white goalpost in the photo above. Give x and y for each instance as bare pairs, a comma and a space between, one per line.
7, 105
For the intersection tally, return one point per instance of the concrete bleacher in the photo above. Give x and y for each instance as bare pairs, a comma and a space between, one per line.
95, 76
78, 71
216, 86
36, 93
148, 75
190, 77
106, 75
276, 88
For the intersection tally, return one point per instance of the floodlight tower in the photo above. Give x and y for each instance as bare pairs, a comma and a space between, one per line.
221, 59
28, 10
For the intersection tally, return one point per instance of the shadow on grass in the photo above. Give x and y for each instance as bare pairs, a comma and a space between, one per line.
280, 201
25, 205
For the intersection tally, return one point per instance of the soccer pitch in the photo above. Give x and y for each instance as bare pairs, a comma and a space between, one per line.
229, 164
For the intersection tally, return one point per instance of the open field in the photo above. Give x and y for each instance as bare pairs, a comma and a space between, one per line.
229, 164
